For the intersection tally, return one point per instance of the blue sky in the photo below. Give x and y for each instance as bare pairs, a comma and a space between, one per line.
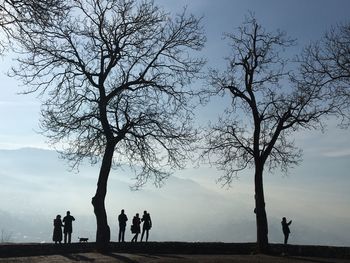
304, 20
315, 194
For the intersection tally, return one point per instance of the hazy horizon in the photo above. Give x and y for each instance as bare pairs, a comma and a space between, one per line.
189, 207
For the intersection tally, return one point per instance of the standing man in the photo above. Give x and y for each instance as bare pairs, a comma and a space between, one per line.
285, 229
68, 229
122, 218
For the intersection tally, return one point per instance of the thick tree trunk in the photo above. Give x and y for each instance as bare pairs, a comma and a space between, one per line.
261, 218
103, 233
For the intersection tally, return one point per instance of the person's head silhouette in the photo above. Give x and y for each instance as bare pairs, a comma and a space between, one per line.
68, 213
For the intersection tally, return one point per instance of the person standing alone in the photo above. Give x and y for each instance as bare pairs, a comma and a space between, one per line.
68, 229
122, 218
285, 229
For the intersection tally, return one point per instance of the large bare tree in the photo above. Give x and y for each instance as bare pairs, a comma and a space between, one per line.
326, 63
114, 77
266, 108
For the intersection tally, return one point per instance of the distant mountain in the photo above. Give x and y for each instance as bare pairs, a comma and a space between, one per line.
39, 186
36, 186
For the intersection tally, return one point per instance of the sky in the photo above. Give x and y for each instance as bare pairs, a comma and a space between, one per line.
36, 185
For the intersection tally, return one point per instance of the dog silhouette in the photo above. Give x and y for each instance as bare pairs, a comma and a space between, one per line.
83, 239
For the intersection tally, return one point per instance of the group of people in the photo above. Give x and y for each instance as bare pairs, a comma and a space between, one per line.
67, 221
67, 228
135, 227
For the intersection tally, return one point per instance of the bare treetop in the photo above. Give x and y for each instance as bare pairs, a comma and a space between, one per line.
116, 71
266, 105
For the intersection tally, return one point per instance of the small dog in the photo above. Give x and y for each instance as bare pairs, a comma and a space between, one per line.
83, 239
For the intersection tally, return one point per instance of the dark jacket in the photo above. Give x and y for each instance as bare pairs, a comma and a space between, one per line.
147, 223
285, 227
122, 218
68, 224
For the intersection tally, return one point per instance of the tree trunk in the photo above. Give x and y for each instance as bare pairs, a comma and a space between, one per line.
261, 218
103, 234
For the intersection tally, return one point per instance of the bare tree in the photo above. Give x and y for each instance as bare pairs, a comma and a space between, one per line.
114, 75
326, 64
266, 108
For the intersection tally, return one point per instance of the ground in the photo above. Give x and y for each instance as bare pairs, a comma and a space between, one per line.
167, 258
171, 252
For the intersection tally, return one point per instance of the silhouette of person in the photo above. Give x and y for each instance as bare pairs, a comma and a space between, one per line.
135, 228
122, 218
285, 229
68, 229
147, 224
57, 229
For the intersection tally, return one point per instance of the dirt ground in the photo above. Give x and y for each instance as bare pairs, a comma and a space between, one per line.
146, 258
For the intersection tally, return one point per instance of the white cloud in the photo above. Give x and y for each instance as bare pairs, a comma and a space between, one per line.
336, 152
